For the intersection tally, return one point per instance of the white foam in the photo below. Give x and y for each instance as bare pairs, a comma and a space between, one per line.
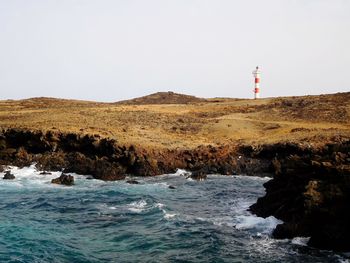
262, 225
159, 205
169, 215
163, 184
254, 178
138, 206
28, 177
343, 260
224, 221
301, 241
181, 172
216, 176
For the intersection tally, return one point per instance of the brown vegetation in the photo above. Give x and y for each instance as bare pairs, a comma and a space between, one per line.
163, 98
214, 122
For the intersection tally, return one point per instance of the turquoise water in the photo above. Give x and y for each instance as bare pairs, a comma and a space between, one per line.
96, 221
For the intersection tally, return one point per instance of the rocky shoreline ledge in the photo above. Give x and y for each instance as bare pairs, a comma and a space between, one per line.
310, 189
310, 192
106, 160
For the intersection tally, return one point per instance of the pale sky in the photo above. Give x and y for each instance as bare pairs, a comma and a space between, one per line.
109, 50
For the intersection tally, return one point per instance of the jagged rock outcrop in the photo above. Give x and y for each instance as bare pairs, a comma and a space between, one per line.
64, 179
106, 160
199, 175
8, 176
310, 192
132, 182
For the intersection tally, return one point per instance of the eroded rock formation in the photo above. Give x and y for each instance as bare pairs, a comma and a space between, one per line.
8, 176
64, 179
310, 192
106, 160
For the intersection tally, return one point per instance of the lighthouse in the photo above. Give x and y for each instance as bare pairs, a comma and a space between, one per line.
256, 74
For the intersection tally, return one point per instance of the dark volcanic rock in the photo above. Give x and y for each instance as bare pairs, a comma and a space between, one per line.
132, 182
105, 160
45, 173
52, 161
310, 192
8, 176
64, 179
99, 168
108, 171
171, 187
199, 175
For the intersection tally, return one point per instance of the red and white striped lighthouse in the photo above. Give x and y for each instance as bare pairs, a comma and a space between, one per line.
256, 74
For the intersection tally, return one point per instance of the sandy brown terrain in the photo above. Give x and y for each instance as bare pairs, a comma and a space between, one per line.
188, 124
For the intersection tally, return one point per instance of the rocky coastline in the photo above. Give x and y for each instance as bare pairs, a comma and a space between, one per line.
105, 159
310, 193
310, 189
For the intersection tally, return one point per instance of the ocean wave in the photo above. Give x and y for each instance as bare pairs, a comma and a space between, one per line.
29, 177
254, 178
168, 215
162, 184
262, 225
301, 241
137, 206
159, 205
181, 172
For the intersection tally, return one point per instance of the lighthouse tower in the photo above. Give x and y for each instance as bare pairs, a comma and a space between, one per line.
256, 74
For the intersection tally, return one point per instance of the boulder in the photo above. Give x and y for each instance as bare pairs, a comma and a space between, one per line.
64, 179
45, 173
172, 187
132, 182
22, 158
8, 176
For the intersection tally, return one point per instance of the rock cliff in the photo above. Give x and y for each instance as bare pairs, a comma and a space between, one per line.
310, 192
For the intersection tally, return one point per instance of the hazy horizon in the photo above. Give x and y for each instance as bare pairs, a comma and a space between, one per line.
115, 50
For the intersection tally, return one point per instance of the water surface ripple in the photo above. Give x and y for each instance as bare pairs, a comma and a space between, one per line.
96, 221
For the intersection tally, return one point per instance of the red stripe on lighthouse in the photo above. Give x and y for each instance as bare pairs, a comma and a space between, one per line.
257, 80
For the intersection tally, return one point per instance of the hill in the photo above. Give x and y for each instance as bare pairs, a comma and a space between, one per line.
163, 98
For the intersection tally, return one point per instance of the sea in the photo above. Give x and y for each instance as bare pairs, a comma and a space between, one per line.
98, 221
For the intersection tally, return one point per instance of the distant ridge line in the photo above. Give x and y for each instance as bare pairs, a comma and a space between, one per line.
168, 97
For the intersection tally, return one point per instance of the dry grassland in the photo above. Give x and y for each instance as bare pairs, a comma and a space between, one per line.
214, 121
